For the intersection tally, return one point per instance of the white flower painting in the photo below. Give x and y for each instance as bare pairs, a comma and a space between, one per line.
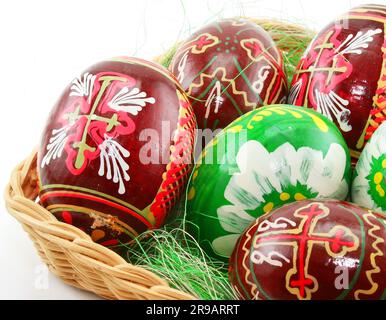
112, 162
360, 189
83, 87
355, 44
55, 146
271, 172
332, 105
130, 100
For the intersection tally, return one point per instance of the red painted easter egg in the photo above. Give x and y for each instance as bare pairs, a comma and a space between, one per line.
228, 68
343, 74
312, 249
115, 152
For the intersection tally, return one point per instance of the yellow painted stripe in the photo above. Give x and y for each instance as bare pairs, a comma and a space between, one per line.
354, 154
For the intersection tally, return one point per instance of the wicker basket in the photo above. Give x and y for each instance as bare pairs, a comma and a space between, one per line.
71, 254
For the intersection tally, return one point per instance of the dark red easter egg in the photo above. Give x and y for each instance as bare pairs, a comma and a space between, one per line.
116, 151
228, 68
343, 74
312, 249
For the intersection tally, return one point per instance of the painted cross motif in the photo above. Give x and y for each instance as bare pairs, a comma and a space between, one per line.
82, 146
330, 70
98, 111
324, 67
337, 242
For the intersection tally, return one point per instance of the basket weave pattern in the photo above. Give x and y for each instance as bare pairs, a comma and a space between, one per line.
71, 254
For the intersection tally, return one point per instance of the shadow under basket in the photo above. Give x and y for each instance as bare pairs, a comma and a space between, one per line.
71, 254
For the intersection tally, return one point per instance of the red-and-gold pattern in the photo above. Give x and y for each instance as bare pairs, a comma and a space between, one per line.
343, 74
227, 69
312, 250
90, 167
180, 165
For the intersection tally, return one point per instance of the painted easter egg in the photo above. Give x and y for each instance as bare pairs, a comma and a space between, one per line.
343, 74
228, 68
115, 152
268, 157
369, 180
312, 249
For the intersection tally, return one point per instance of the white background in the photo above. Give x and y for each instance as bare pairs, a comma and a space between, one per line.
45, 44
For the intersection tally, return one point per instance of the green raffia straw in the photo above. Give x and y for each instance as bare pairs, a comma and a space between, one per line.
171, 252
174, 255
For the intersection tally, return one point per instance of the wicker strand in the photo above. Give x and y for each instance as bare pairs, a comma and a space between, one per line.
71, 254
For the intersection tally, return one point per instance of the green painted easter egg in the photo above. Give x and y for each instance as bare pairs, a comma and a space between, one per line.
266, 158
369, 183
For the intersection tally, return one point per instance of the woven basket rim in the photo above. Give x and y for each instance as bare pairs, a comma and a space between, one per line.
71, 254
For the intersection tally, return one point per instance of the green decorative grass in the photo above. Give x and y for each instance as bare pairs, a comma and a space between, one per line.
171, 252
174, 255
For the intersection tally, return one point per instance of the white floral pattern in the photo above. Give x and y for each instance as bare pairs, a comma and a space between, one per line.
330, 104
294, 92
130, 100
181, 66
83, 87
374, 149
55, 146
353, 44
273, 172
112, 162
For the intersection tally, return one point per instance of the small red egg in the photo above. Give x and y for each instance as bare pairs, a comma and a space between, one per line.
228, 68
115, 152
